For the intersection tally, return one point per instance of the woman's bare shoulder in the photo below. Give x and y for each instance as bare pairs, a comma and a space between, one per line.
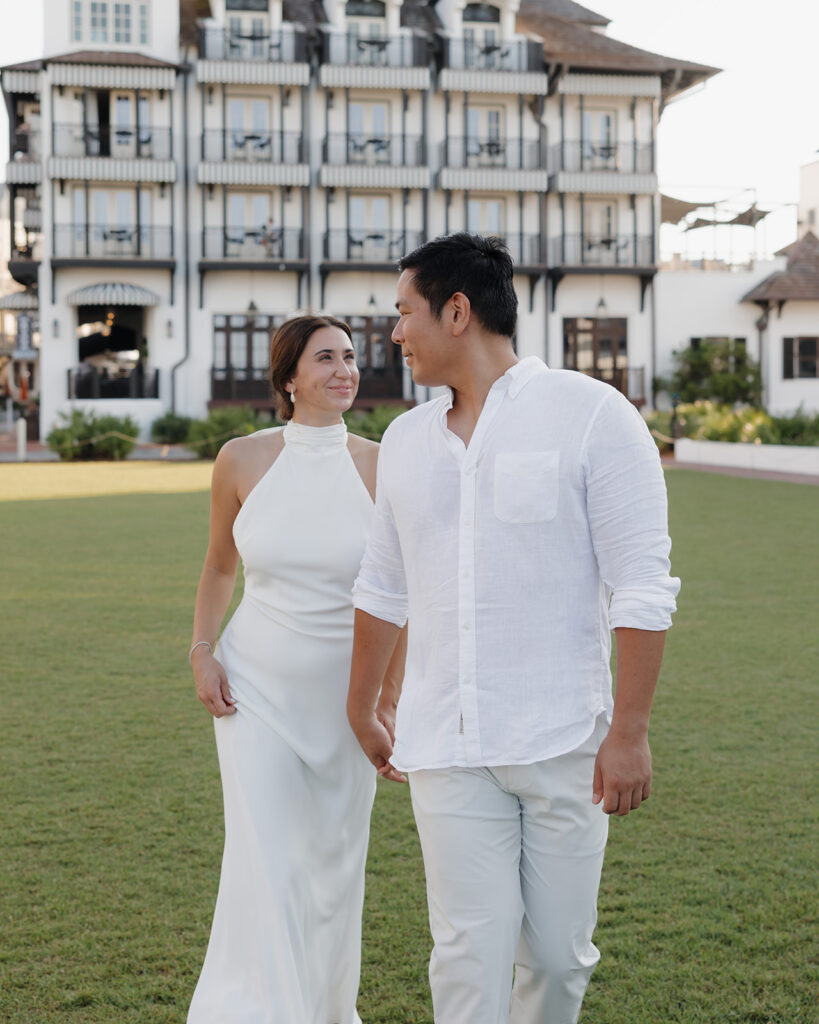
247, 459
362, 446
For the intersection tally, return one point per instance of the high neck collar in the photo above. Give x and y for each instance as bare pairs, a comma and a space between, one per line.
318, 438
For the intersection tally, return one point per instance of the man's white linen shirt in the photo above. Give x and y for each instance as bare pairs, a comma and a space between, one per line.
514, 557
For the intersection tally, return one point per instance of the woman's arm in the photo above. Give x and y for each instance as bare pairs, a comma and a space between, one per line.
216, 585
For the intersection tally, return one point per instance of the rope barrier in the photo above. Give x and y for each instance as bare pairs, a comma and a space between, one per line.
166, 447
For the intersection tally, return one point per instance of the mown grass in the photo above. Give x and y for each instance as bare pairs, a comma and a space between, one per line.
111, 820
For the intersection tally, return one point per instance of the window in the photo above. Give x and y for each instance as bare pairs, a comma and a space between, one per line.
799, 358
122, 23
143, 24
99, 22
599, 140
77, 20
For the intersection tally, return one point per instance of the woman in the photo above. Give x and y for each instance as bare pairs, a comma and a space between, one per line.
296, 504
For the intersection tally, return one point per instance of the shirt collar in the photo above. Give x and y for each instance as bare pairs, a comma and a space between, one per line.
519, 375
514, 380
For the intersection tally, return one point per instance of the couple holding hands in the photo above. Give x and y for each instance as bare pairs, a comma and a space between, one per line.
474, 564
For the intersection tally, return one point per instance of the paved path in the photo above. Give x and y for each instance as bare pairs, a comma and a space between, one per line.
38, 452
757, 474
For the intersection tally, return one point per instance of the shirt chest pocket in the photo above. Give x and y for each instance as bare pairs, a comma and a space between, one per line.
526, 486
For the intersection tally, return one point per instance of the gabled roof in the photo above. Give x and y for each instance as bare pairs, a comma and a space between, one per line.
119, 58
799, 280
571, 11
579, 48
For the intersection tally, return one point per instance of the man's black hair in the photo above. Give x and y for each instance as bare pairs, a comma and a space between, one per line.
477, 265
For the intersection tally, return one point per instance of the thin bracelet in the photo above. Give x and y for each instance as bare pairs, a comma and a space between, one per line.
198, 644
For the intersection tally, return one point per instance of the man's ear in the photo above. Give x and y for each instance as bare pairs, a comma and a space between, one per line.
460, 313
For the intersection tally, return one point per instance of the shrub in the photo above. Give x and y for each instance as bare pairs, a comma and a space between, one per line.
171, 429
372, 424
720, 371
207, 436
73, 438
799, 428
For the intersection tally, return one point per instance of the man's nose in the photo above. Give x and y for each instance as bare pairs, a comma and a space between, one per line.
396, 335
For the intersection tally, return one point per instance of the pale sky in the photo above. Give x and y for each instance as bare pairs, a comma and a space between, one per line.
749, 128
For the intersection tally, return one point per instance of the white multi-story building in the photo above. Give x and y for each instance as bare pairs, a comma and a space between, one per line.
184, 178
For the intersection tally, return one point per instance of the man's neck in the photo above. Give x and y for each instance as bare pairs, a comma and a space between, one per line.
471, 386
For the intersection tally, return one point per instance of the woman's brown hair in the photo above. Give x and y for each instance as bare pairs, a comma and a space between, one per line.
286, 347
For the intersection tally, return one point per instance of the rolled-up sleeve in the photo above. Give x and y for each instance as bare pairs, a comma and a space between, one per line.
381, 587
628, 517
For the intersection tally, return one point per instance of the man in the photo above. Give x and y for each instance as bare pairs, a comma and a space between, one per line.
518, 519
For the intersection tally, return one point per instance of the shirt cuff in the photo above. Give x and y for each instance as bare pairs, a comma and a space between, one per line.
380, 603
648, 607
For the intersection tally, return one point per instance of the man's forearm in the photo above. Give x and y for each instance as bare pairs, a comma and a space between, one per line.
639, 655
374, 646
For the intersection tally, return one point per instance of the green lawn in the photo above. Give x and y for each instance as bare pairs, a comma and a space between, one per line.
111, 822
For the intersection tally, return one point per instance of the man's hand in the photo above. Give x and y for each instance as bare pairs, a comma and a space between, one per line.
375, 733
622, 772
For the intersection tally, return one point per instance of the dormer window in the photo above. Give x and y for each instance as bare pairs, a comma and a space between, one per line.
366, 18
482, 38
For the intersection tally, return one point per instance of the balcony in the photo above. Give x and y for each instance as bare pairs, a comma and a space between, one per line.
595, 251
368, 246
249, 146
623, 157
85, 381
124, 142
285, 46
240, 384
405, 51
25, 145
473, 55
113, 242
24, 260
386, 151
508, 154
254, 245
525, 250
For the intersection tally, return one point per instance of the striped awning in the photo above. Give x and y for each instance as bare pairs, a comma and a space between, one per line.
19, 301
112, 294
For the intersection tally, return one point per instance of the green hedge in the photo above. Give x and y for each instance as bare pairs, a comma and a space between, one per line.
81, 437
207, 436
709, 421
171, 429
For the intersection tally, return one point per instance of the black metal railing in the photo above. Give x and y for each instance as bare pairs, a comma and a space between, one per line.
626, 157
25, 144
239, 384
259, 243
123, 141
31, 249
406, 51
78, 241
509, 154
478, 55
85, 381
249, 146
602, 251
356, 245
526, 250
371, 151
286, 46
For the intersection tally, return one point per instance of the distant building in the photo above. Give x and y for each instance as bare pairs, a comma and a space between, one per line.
772, 308
184, 178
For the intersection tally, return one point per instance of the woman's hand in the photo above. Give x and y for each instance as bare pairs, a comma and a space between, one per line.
212, 684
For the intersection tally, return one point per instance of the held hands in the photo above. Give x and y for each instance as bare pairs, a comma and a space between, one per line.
212, 684
375, 732
622, 772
